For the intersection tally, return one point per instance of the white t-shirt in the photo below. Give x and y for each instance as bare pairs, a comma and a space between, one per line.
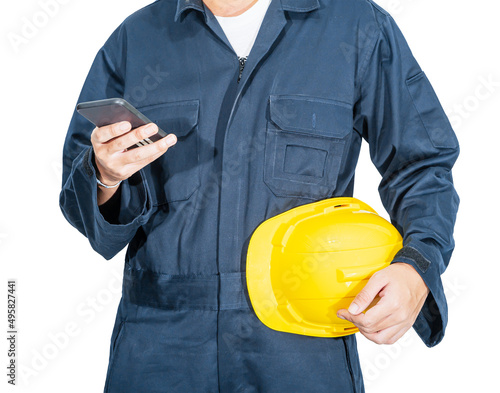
242, 30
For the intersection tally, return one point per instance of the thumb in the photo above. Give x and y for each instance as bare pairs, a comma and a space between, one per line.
375, 284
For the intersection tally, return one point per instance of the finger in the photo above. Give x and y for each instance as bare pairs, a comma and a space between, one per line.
152, 158
346, 315
370, 321
141, 156
131, 138
391, 310
367, 295
106, 133
141, 164
386, 336
388, 315
383, 315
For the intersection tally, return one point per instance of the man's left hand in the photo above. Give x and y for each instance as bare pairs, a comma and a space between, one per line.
400, 292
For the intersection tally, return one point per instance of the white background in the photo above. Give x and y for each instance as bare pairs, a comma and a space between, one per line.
67, 294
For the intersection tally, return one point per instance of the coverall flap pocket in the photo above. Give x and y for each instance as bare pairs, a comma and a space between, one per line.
431, 113
178, 118
309, 115
305, 143
175, 176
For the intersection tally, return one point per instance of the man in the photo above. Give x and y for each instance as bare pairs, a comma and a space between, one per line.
263, 123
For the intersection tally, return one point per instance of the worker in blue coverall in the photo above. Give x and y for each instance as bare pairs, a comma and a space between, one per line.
249, 139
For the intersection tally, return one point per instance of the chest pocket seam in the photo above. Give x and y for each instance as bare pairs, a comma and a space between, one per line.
305, 145
175, 176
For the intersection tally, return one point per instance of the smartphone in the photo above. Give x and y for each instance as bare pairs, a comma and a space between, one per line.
113, 110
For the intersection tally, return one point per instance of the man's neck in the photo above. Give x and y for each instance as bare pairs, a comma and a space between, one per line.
229, 7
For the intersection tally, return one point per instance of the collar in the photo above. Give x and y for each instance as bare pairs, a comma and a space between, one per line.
300, 5
183, 5
288, 5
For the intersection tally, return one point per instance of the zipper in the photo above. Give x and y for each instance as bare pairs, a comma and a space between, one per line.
242, 61
227, 108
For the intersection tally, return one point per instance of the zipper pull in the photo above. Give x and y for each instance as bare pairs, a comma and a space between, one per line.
242, 61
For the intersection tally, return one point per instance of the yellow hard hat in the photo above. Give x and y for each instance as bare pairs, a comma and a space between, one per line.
309, 262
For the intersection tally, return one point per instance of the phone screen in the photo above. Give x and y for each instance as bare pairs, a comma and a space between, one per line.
114, 110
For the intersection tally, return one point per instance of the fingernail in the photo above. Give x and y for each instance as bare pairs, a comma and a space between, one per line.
171, 140
124, 126
353, 308
341, 317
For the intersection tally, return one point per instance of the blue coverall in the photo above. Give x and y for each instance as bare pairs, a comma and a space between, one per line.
321, 76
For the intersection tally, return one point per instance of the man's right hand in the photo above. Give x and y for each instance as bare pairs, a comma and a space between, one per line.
114, 162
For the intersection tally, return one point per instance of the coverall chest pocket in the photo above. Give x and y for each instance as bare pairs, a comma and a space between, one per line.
305, 144
175, 176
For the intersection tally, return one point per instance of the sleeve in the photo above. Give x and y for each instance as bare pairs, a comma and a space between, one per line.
414, 148
109, 228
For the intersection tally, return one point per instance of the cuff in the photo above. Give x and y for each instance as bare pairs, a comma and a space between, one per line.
109, 237
431, 322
